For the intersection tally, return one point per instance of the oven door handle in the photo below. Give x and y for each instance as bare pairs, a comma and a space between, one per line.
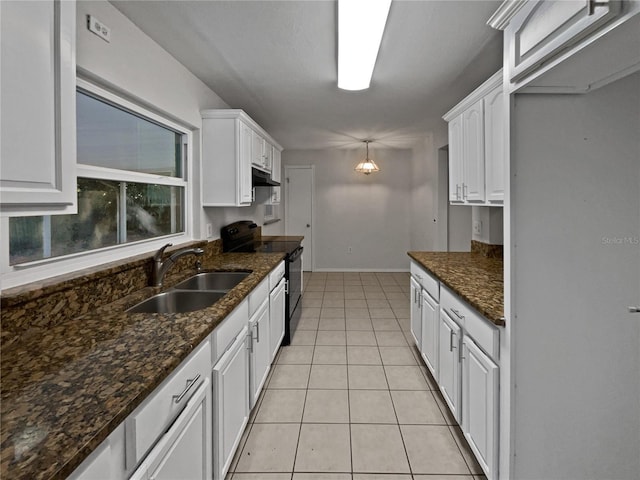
296, 253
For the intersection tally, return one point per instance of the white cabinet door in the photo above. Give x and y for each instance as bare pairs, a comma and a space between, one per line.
257, 155
38, 115
543, 29
449, 363
430, 337
276, 166
494, 125
416, 313
245, 191
231, 402
480, 381
184, 451
260, 362
267, 155
455, 160
276, 317
227, 143
473, 153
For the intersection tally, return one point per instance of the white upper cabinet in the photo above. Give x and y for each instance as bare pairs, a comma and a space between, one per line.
548, 27
494, 141
473, 153
38, 115
231, 144
455, 160
276, 164
476, 151
226, 160
568, 46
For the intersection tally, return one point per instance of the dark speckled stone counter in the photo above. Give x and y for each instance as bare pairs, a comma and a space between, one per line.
475, 278
67, 386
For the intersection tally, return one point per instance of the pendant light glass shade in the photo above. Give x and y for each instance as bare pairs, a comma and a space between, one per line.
367, 165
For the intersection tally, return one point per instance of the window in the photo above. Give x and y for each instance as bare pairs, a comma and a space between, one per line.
131, 184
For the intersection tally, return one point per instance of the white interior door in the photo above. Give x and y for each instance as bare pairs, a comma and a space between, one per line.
299, 207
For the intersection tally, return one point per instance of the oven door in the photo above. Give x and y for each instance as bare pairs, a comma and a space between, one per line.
294, 264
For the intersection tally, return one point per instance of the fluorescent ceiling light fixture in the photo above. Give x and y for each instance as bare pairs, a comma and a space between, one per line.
360, 27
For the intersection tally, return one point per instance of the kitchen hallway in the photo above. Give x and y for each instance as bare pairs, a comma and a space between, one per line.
350, 398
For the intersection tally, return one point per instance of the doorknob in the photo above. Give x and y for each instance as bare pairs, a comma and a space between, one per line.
308, 225
634, 309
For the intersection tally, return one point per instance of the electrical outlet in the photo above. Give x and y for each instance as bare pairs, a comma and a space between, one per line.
100, 29
477, 228
209, 230
349, 249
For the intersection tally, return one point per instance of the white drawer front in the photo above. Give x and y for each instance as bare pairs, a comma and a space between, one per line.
147, 423
276, 275
484, 333
426, 280
258, 295
224, 334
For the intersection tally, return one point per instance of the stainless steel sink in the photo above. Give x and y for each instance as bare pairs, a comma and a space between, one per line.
219, 281
177, 301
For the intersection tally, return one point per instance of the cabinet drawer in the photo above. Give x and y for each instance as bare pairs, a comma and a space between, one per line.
147, 423
276, 275
224, 334
486, 335
258, 295
426, 281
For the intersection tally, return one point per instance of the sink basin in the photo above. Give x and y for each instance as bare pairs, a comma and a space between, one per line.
221, 281
177, 301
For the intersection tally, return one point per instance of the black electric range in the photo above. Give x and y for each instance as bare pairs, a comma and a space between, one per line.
242, 236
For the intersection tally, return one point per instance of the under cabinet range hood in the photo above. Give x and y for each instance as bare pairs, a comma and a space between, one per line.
262, 179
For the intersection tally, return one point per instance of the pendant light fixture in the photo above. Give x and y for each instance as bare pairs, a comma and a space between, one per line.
367, 165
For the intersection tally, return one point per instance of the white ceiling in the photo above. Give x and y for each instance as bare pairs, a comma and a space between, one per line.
277, 60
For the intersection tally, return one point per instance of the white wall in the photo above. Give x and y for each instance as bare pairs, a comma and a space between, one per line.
491, 224
370, 213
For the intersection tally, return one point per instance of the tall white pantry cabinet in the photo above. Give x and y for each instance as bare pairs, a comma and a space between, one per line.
570, 355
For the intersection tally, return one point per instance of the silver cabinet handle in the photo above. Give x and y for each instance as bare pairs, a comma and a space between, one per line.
451, 335
258, 332
457, 191
634, 309
465, 190
190, 383
286, 286
457, 314
250, 337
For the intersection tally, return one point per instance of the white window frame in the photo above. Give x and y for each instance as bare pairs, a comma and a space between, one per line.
15, 275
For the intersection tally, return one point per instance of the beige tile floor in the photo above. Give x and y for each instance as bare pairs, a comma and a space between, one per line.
350, 398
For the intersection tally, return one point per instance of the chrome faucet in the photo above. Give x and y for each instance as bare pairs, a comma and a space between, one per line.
161, 266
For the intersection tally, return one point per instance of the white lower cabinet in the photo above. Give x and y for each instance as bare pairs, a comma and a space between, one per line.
184, 451
416, 313
260, 350
276, 317
231, 402
480, 382
430, 324
449, 363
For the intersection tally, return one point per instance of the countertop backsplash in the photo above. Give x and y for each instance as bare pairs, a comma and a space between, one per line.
486, 249
47, 303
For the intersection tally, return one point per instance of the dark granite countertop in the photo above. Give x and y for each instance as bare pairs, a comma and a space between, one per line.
65, 388
475, 278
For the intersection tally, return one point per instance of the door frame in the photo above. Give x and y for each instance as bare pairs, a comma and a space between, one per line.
312, 168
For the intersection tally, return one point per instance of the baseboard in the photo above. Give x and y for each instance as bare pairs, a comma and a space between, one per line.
364, 270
